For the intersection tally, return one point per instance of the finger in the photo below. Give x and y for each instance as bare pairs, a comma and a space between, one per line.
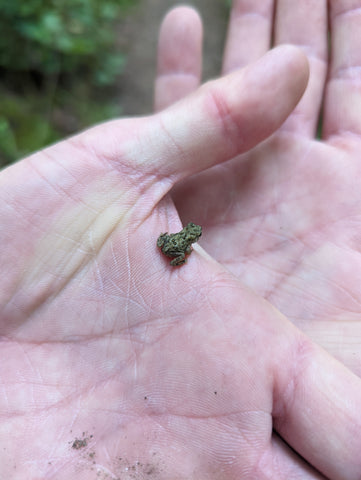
343, 92
229, 116
222, 119
304, 24
316, 410
286, 464
179, 56
249, 33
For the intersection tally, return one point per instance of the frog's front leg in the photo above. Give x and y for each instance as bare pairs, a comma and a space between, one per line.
162, 239
179, 260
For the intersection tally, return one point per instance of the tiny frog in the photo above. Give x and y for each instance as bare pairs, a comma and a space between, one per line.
178, 245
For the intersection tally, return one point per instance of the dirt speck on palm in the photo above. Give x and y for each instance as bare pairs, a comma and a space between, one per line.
81, 442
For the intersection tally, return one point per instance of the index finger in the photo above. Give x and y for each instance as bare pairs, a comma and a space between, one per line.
179, 57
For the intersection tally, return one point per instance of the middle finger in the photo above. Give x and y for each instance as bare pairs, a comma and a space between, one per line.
249, 33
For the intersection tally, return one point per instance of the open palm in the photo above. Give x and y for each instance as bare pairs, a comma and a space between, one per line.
285, 217
115, 364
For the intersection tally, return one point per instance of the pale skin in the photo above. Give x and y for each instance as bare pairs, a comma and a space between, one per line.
291, 207
175, 373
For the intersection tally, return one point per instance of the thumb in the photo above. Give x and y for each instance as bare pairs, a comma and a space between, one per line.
224, 117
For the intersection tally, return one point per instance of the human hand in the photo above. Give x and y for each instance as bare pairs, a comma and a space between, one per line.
115, 364
285, 217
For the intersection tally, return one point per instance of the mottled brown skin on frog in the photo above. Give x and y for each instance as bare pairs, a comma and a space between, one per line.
178, 245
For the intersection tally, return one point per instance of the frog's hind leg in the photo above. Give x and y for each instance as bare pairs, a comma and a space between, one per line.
178, 260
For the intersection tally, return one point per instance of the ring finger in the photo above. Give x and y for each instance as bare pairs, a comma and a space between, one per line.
304, 24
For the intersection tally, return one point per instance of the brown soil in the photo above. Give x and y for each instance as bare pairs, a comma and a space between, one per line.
138, 38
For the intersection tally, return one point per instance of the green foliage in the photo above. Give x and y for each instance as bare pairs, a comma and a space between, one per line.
41, 118
24, 125
56, 57
59, 36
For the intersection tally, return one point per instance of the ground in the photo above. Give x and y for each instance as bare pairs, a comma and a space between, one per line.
138, 37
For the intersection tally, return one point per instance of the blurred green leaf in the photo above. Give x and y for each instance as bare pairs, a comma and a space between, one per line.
111, 67
7, 139
82, 32
54, 57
